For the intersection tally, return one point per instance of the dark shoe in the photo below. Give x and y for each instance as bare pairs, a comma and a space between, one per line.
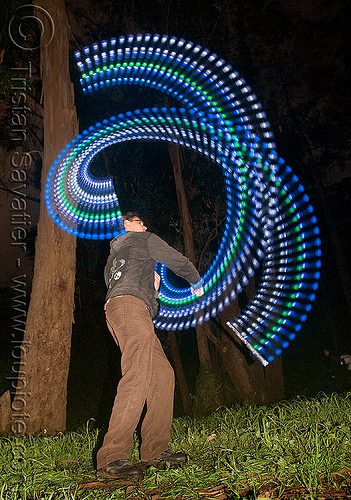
170, 456
118, 469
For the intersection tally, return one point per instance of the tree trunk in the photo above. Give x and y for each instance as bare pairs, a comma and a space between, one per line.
178, 367
253, 383
40, 400
207, 376
187, 230
5, 412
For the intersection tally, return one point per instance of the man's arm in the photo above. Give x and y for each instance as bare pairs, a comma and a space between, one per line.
174, 260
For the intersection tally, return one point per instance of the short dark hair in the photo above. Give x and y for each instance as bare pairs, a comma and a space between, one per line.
130, 215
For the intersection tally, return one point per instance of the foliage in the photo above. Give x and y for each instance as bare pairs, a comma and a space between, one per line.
293, 449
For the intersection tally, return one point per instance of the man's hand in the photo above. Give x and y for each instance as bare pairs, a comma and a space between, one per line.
198, 291
157, 281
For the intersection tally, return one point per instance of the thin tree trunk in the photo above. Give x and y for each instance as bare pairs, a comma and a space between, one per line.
178, 367
187, 230
40, 401
206, 368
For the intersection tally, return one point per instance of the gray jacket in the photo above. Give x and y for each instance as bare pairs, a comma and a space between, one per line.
130, 267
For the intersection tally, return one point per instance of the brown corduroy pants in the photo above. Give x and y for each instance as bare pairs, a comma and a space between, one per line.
147, 377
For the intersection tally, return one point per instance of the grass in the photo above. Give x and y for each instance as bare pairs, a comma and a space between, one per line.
292, 449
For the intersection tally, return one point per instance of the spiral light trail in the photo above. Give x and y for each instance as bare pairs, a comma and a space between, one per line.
270, 222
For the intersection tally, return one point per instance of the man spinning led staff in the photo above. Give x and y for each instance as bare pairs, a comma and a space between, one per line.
147, 376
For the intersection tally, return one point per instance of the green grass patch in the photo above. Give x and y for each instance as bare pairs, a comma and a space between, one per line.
292, 449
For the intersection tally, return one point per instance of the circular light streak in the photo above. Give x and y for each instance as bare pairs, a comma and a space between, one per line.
270, 221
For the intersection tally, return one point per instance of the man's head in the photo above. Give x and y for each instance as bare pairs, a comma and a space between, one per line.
132, 222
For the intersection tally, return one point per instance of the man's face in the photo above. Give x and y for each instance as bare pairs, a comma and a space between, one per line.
135, 225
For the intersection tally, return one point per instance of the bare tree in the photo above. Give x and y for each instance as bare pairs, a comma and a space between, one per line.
252, 382
40, 401
207, 374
